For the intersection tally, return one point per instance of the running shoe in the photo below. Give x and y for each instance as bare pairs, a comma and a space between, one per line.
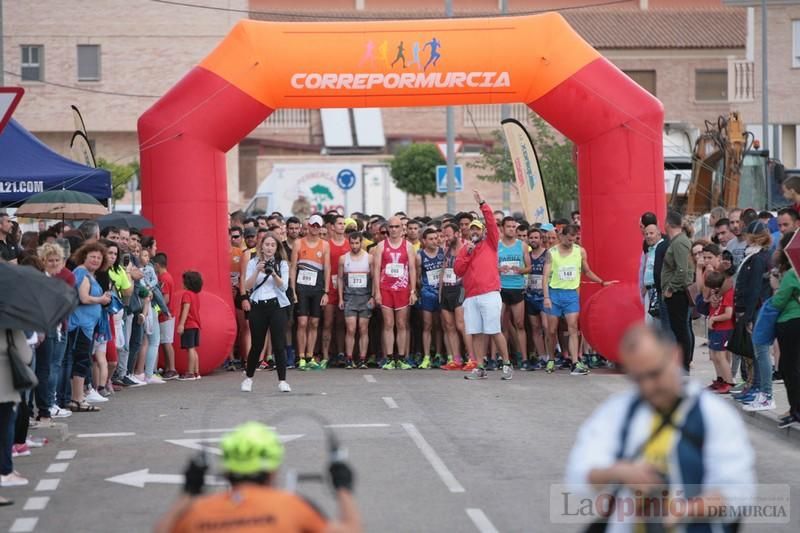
777, 377
13, 480
401, 364
363, 365
491, 364
187, 377
723, 388
57, 412
322, 365
508, 372
749, 397
715, 384
426, 362
469, 366
786, 421
34, 442
740, 387
761, 403
95, 397
451, 365
312, 364
349, 364
169, 375
284, 387
437, 361
410, 361
579, 369
595, 361
20, 450
302, 365
262, 366
478, 373
566, 364
247, 385
537, 365
128, 381
389, 365
551, 366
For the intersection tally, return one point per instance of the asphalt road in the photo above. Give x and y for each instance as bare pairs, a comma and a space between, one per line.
432, 452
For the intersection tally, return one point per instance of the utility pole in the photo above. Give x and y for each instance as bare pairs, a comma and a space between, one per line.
505, 112
451, 140
764, 91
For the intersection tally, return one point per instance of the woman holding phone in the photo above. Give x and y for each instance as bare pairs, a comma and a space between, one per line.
266, 281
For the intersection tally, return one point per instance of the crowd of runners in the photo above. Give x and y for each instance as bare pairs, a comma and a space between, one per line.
402, 293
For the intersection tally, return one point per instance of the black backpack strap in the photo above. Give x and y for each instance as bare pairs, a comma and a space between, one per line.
626, 425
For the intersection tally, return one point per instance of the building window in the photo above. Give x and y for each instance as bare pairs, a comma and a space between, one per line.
32, 62
645, 78
88, 62
796, 43
711, 85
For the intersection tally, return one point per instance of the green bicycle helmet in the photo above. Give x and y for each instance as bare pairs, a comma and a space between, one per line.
251, 448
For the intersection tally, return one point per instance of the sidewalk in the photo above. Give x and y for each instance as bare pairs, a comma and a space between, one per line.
703, 370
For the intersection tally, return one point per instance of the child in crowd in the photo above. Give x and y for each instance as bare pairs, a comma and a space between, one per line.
189, 323
720, 321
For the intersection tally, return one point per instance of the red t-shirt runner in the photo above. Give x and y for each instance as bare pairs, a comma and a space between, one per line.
394, 283
336, 251
193, 318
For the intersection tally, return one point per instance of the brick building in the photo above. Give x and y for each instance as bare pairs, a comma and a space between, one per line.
114, 58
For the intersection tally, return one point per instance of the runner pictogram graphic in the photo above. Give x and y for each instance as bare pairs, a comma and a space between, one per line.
434, 58
400, 55
369, 54
383, 53
415, 56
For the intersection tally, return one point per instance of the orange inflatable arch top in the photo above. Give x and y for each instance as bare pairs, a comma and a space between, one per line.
262, 66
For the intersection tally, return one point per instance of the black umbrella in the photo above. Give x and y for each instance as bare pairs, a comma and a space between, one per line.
32, 301
124, 220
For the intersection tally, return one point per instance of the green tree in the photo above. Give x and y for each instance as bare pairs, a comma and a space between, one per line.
414, 170
121, 175
555, 161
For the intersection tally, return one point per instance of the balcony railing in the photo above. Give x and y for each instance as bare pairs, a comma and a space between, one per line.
489, 116
286, 119
741, 80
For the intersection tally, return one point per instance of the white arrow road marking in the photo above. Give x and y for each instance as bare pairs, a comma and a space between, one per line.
139, 478
204, 443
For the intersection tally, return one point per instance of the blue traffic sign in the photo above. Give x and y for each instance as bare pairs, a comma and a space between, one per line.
346, 179
441, 178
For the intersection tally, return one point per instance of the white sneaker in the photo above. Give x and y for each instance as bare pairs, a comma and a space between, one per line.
154, 379
136, 380
247, 385
284, 387
508, 372
13, 480
140, 378
95, 397
762, 402
57, 412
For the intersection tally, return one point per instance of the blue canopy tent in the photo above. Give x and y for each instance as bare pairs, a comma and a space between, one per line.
27, 167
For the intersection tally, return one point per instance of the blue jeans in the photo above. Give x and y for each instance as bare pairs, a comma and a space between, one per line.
762, 368
43, 366
57, 361
153, 342
7, 420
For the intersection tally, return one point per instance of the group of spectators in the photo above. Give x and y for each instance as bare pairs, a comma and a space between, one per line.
112, 338
739, 280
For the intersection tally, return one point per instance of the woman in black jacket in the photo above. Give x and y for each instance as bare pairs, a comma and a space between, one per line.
752, 285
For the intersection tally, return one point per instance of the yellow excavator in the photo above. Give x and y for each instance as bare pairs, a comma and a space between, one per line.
729, 170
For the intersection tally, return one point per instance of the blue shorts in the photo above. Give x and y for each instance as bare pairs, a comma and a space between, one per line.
565, 302
428, 301
534, 306
718, 338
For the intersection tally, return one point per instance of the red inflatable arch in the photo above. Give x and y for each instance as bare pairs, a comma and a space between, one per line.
263, 66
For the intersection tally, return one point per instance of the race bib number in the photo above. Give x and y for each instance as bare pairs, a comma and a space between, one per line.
536, 282
357, 280
450, 276
307, 277
509, 265
433, 277
335, 282
568, 273
395, 270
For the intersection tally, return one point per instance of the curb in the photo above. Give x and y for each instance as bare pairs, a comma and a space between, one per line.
768, 421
